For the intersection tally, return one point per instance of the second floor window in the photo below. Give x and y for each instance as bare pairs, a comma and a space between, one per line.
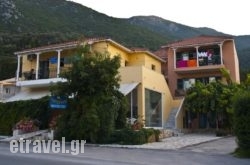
153, 67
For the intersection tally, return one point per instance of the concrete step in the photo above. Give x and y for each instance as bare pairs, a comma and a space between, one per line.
25, 136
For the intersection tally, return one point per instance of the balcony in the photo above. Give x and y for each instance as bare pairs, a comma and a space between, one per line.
203, 62
45, 77
207, 58
202, 69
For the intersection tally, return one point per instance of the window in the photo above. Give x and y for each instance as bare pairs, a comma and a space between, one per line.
153, 67
153, 108
132, 102
62, 62
67, 60
185, 83
7, 90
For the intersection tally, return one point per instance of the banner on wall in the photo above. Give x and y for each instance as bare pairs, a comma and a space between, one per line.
58, 102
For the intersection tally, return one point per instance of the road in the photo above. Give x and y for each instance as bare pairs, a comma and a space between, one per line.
194, 155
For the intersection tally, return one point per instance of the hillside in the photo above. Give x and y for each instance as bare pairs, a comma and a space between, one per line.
169, 29
30, 23
175, 31
71, 19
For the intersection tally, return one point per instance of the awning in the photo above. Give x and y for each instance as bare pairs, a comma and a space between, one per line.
27, 94
127, 88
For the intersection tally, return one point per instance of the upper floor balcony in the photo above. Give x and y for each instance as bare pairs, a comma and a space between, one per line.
45, 77
198, 59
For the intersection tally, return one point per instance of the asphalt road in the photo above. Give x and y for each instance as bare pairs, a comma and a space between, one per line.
194, 155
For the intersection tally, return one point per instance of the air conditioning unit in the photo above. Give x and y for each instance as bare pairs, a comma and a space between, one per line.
31, 57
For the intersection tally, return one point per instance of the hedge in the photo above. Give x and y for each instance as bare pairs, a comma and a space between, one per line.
12, 112
129, 136
242, 122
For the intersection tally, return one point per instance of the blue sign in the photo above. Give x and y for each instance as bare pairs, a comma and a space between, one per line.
53, 60
58, 102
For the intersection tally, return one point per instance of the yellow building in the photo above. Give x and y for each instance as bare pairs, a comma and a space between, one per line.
141, 78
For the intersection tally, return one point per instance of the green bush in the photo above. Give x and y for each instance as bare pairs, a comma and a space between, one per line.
129, 136
12, 112
157, 134
242, 153
242, 119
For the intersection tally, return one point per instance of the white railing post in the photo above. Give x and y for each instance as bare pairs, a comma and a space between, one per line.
221, 54
58, 62
18, 67
37, 64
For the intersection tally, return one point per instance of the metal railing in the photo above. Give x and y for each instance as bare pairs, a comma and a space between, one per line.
43, 74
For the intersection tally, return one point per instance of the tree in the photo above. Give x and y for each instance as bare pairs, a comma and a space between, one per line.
93, 82
216, 98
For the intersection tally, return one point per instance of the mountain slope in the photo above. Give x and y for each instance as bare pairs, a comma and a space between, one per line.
31, 23
60, 16
170, 29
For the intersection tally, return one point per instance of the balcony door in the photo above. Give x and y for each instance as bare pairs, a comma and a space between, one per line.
43, 69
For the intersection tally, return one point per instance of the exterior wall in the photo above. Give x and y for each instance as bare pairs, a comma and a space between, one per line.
156, 82
132, 74
230, 60
7, 91
150, 80
149, 61
112, 50
137, 59
172, 76
179, 120
142, 59
28, 64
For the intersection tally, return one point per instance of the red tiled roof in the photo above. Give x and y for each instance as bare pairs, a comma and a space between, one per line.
74, 44
199, 40
69, 44
162, 53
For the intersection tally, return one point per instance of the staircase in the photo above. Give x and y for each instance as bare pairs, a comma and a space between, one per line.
170, 124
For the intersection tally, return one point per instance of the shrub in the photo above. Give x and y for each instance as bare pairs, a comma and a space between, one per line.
13, 112
243, 153
157, 135
242, 119
129, 136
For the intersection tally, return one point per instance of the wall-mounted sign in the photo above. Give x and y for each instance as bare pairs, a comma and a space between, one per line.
58, 102
53, 60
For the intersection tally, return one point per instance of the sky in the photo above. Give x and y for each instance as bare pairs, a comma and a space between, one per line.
227, 16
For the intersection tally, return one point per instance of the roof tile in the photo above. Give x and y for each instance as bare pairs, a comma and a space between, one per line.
199, 40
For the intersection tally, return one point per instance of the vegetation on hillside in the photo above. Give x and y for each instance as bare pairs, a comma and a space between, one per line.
31, 23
